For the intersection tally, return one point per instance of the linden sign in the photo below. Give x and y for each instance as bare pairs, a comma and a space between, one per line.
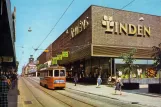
119, 28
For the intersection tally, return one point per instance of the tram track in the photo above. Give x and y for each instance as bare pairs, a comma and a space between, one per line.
33, 94
57, 96
97, 98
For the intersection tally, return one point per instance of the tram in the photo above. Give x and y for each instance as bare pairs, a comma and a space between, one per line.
53, 77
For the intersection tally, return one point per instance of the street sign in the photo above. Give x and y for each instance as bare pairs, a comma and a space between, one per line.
65, 53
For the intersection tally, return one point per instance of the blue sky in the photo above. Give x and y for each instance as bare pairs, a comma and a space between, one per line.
41, 16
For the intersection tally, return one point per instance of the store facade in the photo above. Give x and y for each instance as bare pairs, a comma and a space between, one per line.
8, 62
100, 35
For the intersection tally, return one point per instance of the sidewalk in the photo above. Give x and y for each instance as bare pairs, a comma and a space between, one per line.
129, 96
14, 99
20, 96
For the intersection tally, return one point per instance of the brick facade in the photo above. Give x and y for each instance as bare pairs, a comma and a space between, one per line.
94, 41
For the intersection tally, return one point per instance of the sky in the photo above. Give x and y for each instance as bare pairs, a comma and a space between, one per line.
41, 16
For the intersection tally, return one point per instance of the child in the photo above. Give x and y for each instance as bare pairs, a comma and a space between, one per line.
118, 86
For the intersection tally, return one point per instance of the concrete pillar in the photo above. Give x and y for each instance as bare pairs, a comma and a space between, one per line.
114, 67
111, 66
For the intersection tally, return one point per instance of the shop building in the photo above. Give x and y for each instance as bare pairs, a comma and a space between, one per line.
7, 37
100, 35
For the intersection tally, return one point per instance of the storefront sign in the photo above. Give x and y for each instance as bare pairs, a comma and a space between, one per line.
59, 57
65, 54
6, 59
81, 26
127, 29
54, 60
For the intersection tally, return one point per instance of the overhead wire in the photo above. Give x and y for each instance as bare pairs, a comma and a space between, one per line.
60, 19
124, 7
54, 26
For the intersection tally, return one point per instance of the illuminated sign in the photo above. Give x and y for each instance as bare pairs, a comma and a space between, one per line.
119, 28
82, 25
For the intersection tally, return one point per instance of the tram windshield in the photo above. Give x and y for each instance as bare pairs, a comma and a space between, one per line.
56, 73
62, 73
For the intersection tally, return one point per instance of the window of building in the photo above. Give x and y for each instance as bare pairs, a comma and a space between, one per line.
56, 73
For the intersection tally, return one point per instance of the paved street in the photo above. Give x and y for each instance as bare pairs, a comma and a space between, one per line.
133, 96
80, 95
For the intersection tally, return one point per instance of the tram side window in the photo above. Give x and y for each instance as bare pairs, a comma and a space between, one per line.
62, 73
51, 73
56, 73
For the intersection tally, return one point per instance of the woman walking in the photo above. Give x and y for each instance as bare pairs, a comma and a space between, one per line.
118, 85
99, 81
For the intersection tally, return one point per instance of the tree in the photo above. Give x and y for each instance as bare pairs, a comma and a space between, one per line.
157, 57
128, 59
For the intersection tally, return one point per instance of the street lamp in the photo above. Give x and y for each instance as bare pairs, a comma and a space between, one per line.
29, 30
141, 19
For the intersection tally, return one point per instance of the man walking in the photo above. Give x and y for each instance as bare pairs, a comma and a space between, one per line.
75, 79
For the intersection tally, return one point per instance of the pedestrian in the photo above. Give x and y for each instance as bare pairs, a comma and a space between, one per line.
99, 81
4, 88
118, 85
14, 80
139, 71
75, 79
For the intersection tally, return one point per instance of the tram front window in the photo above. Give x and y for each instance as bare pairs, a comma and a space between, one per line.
62, 73
56, 73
